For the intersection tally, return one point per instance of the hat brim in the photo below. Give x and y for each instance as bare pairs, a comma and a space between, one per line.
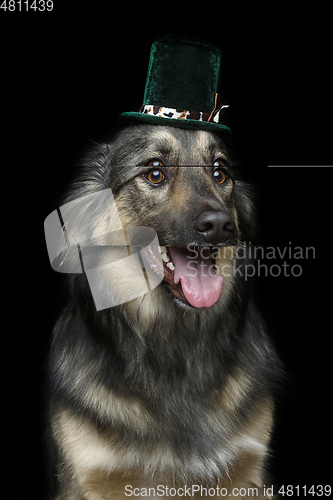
125, 118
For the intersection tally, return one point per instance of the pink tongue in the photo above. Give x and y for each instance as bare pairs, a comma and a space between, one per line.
200, 285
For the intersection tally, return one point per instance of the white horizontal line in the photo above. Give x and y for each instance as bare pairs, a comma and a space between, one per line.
300, 166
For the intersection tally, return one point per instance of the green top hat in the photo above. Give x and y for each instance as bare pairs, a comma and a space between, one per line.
181, 86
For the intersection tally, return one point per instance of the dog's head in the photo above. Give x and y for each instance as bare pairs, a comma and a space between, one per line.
183, 186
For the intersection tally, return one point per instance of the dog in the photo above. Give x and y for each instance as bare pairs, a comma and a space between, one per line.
170, 393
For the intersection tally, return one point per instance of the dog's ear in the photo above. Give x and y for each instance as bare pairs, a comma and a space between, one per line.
244, 194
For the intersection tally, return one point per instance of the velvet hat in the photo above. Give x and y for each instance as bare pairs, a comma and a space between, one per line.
181, 86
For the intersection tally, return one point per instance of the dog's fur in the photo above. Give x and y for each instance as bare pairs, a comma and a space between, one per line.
153, 391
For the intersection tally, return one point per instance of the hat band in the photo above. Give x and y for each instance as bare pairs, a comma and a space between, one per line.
176, 114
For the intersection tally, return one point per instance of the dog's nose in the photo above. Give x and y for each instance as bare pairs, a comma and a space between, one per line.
215, 227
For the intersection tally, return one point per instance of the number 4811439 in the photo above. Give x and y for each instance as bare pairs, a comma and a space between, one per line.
315, 491
20, 6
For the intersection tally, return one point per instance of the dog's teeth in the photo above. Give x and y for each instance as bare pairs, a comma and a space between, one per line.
171, 266
162, 249
165, 257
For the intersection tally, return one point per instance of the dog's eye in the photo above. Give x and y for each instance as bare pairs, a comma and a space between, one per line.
155, 176
218, 174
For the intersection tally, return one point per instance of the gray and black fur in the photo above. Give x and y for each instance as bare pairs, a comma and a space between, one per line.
153, 392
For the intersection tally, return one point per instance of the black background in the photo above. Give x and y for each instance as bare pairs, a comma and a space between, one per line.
66, 76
